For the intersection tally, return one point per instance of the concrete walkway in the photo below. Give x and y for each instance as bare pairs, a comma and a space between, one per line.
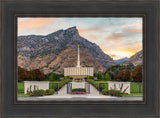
93, 90
79, 98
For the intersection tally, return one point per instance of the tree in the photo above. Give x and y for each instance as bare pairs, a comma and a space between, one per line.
124, 75
54, 77
99, 75
22, 74
108, 78
114, 70
127, 75
120, 75
137, 74
39, 74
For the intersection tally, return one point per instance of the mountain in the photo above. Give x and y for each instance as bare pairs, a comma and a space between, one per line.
53, 52
136, 59
121, 61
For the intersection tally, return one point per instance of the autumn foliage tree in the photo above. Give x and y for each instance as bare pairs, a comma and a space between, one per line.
39, 74
124, 75
137, 74
24, 74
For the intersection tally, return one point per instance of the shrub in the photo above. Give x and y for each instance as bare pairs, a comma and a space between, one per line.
106, 77
54, 77
112, 92
58, 85
39, 92
105, 92
49, 92
101, 86
79, 89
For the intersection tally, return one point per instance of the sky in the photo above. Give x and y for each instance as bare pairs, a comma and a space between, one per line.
118, 37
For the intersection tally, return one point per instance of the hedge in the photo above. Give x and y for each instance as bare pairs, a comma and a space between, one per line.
99, 85
79, 89
49, 92
58, 85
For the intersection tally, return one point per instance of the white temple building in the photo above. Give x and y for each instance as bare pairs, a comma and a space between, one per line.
78, 72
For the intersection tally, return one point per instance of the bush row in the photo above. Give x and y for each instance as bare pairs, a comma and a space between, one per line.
112, 92
96, 84
41, 92
58, 85
79, 89
103, 87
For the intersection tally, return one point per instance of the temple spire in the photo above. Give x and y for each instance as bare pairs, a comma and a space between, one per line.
78, 60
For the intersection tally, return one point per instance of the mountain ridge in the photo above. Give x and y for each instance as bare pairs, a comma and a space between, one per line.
136, 59
43, 51
121, 60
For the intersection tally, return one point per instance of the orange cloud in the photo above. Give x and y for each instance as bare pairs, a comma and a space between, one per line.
113, 56
92, 37
133, 50
113, 38
34, 23
84, 31
136, 26
134, 30
116, 38
117, 52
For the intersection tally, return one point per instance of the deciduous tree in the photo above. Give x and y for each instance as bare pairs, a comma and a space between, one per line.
137, 74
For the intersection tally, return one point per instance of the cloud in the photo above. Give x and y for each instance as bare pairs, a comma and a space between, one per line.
136, 26
33, 23
113, 56
118, 37
95, 29
122, 50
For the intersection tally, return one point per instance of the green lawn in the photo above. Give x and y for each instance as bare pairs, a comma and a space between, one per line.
134, 95
53, 82
136, 88
22, 95
21, 90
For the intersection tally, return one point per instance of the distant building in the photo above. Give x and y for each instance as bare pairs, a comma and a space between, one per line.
78, 72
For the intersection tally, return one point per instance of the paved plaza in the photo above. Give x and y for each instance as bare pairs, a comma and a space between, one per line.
93, 96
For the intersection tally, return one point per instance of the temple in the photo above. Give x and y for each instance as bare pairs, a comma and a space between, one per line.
78, 72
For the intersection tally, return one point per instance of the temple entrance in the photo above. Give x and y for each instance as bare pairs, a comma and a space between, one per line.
78, 80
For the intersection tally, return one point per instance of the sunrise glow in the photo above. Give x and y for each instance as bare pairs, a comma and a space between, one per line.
117, 37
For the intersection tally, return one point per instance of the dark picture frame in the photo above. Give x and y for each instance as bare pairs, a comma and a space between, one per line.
149, 10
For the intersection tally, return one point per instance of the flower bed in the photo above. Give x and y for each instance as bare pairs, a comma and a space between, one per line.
79, 93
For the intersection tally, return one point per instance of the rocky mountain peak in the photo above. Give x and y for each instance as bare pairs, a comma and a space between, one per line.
45, 52
70, 32
136, 59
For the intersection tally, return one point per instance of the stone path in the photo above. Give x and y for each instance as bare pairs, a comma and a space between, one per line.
93, 90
